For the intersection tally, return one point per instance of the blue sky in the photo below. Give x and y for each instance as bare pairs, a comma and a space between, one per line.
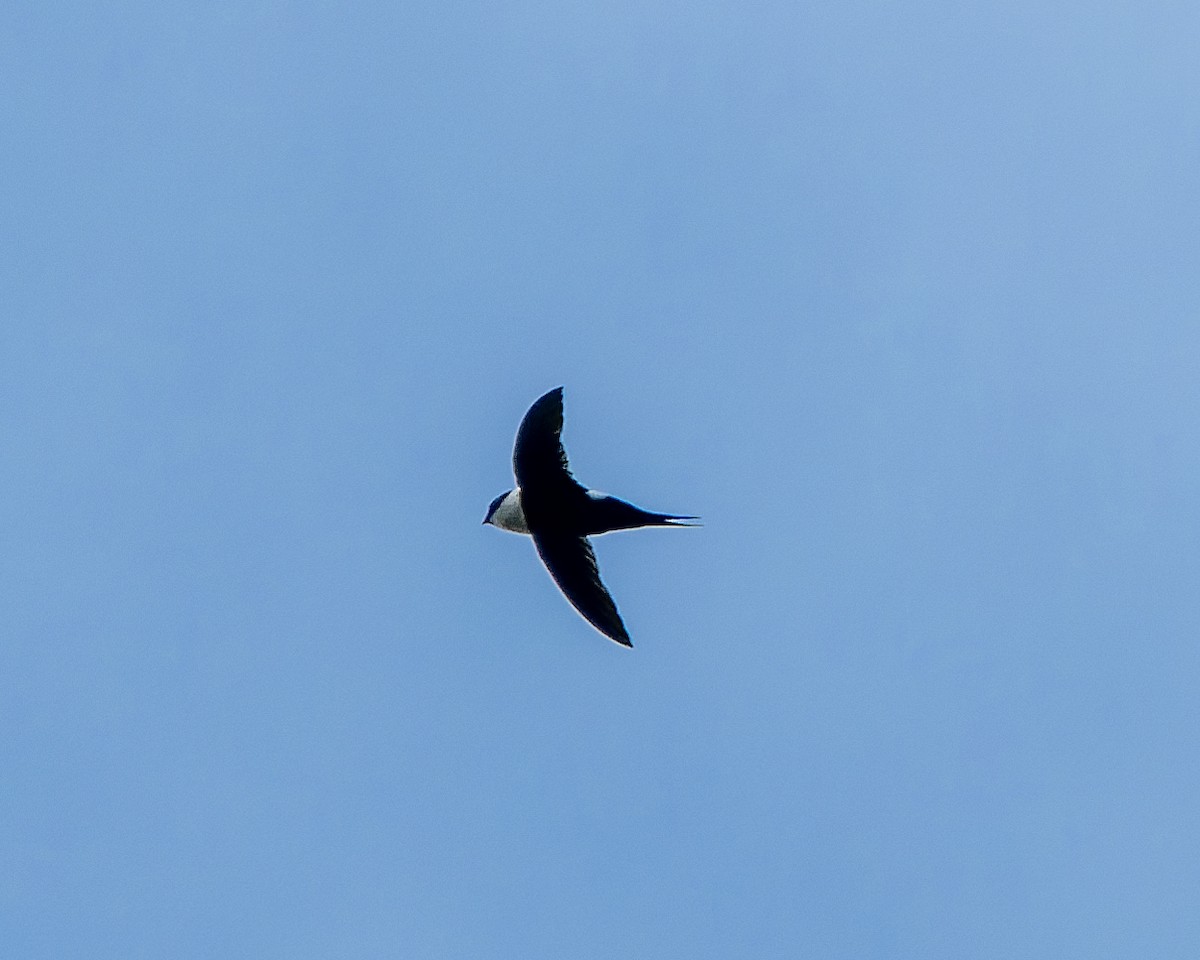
902, 299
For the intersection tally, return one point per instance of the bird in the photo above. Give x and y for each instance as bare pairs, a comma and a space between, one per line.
560, 514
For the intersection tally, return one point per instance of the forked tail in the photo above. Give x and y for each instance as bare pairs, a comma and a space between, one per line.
670, 520
607, 513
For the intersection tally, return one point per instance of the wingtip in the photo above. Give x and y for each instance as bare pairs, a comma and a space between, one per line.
615, 632
550, 399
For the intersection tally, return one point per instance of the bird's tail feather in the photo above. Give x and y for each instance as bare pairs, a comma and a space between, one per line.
670, 520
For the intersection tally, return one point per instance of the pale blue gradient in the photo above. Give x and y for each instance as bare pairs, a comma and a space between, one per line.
904, 300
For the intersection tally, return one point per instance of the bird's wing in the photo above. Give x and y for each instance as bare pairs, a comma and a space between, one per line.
539, 460
572, 564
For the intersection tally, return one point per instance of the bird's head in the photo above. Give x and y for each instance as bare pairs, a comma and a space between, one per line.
506, 513
493, 507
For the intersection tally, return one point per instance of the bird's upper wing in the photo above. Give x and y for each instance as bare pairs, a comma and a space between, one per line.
539, 460
572, 564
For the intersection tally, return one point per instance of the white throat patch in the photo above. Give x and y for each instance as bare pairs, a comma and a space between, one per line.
509, 515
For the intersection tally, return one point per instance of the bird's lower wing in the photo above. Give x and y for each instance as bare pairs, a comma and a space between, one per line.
572, 564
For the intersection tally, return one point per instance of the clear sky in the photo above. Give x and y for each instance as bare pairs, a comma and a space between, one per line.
903, 299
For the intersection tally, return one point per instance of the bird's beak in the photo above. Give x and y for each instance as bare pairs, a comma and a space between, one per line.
486, 520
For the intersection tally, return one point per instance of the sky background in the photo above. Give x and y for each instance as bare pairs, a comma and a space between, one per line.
903, 299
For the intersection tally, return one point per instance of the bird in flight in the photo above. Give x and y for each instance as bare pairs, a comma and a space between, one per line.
560, 514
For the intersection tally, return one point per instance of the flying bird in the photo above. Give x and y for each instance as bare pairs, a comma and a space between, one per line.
560, 514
